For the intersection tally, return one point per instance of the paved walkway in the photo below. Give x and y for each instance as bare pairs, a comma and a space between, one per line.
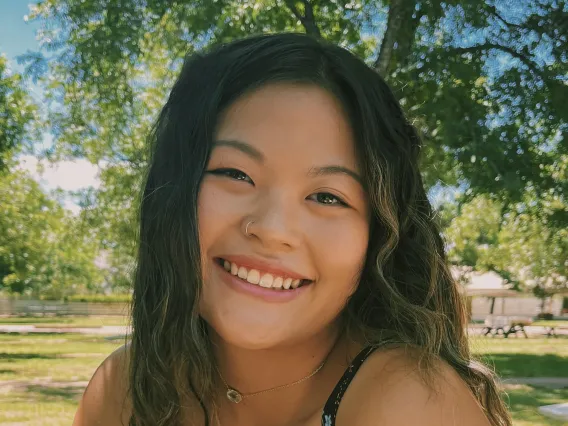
542, 382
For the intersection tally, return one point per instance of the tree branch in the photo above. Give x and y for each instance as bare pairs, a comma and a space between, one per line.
402, 23
308, 21
488, 46
394, 23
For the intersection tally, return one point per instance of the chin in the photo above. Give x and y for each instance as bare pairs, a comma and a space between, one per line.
246, 336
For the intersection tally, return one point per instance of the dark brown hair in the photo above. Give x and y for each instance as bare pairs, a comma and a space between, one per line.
406, 293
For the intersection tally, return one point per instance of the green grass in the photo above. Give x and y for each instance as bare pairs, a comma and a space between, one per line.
56, 357
59, 356
39, 406
520, 357
74, 358
66, 322
552, 323
525, 400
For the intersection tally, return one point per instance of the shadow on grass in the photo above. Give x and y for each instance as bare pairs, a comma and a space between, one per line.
9, 356
31, 333
4, 371
49, 393
525, 400
527, 365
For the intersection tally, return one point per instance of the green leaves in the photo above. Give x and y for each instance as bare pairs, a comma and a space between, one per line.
513, 239
43, 249
16, 113
486, 84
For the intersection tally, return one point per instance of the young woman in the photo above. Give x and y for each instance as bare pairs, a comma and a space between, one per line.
289, 270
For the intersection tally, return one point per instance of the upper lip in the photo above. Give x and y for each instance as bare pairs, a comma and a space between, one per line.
274, 268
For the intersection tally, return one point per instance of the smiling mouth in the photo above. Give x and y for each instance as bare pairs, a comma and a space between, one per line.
262, 279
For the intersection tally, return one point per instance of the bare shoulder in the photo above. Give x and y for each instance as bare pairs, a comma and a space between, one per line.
105, 401
389, 389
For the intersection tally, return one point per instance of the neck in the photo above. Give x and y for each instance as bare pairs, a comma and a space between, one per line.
249, 371
255, 370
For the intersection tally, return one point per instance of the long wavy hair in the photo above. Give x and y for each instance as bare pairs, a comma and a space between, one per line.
406, 293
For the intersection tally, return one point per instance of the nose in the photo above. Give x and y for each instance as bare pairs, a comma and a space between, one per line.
276, 222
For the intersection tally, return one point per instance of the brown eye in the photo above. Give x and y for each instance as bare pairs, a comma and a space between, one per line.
232, 174
328, 199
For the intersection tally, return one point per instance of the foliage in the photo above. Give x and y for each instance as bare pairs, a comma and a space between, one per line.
512, 240
99, 298
16, 113
473, 74
43, 250
484, 81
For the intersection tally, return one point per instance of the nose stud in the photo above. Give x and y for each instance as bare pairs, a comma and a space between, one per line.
247, 227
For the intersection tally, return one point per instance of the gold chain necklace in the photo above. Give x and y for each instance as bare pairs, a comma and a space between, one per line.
235, 396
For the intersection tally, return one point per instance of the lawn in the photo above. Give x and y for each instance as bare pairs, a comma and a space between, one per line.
520, 357
525, 400
42, 376
64, 322
61, 357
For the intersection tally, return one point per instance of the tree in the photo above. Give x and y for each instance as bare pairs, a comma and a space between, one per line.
16, 113
518, 244
490, 125
484, 81
43, 250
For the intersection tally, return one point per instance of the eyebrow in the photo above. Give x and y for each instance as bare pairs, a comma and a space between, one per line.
334, 170
244, 147
254, 153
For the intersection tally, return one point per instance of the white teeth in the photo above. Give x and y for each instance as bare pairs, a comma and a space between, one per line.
277, 283
253, 276
242, 273
266, 280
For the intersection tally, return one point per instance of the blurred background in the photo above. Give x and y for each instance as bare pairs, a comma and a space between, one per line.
81, 81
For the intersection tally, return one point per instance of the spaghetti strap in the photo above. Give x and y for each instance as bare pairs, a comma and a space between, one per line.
332, 404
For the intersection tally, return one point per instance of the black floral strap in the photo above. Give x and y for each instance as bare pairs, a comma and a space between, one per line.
332, 404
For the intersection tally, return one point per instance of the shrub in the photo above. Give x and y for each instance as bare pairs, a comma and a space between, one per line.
99, 298
545, 316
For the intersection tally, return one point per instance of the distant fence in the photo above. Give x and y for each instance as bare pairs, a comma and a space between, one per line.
48, 307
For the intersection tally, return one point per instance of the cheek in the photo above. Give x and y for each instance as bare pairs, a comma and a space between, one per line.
341, 255
211, 212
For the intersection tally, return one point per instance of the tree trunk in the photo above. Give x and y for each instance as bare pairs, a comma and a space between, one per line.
401, 27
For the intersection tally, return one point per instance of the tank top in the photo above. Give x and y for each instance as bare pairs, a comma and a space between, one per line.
332, 405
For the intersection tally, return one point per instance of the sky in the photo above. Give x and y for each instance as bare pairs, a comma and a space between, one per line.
17, 37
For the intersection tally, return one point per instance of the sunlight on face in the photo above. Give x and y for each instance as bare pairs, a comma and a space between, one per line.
285, 159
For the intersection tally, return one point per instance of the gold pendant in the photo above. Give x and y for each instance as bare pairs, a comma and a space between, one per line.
234, 395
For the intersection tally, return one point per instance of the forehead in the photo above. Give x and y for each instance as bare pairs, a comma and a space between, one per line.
290, 121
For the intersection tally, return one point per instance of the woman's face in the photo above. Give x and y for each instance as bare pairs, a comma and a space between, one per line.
284, 164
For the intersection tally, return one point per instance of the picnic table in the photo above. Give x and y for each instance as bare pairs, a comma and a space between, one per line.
505, 325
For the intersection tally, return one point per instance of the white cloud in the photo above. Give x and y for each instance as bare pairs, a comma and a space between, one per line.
67, 175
